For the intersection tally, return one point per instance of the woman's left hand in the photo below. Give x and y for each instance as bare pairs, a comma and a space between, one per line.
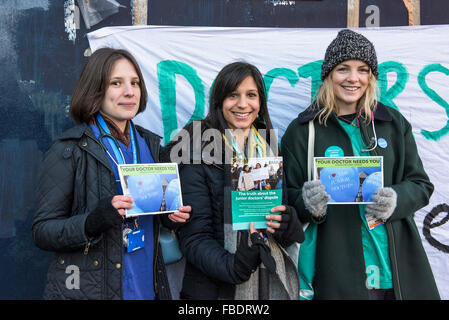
182, 215
275, 219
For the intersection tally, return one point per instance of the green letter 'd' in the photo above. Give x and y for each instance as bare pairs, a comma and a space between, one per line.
166, 73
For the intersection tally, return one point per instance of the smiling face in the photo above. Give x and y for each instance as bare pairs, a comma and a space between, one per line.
350, 80
241, 106
122, 97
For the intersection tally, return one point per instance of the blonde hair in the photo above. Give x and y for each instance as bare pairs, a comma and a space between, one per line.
326, 101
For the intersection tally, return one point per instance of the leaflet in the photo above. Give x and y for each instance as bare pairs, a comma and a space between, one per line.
349, 180
155, 187
256, 188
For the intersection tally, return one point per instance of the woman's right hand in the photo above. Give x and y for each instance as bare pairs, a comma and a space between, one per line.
109, 213
121, 203
246, 258
315, 198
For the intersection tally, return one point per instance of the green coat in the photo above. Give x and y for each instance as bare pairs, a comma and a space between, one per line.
340, 268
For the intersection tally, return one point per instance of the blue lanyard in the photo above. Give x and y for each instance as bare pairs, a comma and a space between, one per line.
105, 133
236, 148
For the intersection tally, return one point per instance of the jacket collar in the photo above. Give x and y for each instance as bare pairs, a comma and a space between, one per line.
153, 141
77, 132
151, 135
83, 129
381, 114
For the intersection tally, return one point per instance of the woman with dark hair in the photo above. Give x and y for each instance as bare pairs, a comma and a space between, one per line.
90, 90
80, 213
229, 78
221, 262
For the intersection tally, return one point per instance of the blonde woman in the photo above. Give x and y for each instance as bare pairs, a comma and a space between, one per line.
346, 259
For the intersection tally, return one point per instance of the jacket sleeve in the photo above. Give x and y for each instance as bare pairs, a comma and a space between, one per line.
415, 189
55, 226
294, 152
294, 230
197, 237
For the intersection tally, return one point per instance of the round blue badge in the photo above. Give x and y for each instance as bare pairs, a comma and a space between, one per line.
334, 151
381, 142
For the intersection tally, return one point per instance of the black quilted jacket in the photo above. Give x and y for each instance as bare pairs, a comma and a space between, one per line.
75, 175
209, 271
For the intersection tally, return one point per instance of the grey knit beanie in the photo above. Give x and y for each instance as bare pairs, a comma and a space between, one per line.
349, 45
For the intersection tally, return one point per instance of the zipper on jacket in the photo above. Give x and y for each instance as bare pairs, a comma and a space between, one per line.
86, 248
212, 164
105, 291
155, 258
89, 242
395, 262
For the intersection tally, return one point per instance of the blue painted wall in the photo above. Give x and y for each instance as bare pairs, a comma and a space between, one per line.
39, 67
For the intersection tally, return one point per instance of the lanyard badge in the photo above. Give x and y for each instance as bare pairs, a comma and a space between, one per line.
372, 221
133, 239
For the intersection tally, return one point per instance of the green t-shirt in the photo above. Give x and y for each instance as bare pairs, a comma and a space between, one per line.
375, 241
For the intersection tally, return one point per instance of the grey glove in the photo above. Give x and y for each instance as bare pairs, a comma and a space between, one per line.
384, 203
315, 198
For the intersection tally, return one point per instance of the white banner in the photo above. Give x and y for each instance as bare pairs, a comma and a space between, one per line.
180, 63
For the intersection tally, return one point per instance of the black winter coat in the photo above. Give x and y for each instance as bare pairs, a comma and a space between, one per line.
209, 272
75, 176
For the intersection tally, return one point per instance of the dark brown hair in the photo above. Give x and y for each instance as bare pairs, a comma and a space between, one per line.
227, 80
88, 94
